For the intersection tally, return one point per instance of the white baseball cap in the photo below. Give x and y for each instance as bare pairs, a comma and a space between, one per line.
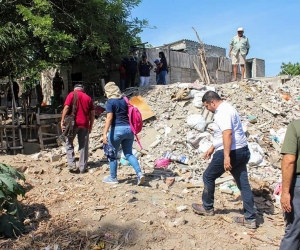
240, 29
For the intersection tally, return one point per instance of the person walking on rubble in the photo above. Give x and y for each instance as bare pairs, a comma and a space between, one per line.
231, 153
119, 134
84, 120
290, 196
239, 49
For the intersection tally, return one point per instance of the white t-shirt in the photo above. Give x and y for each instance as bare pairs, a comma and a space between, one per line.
226, 117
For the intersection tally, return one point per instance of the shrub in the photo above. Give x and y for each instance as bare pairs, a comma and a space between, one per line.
11, 213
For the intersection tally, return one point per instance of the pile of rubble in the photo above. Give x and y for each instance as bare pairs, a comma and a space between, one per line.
181, 129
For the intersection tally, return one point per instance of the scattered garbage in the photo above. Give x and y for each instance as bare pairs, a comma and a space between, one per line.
162, 163
175, 157
196, 121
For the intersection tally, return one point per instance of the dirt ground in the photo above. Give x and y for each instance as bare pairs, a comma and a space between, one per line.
78, 211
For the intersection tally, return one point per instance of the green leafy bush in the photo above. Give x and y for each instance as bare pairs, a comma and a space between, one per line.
11, 213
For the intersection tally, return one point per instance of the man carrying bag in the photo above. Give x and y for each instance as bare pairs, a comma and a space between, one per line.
80, 122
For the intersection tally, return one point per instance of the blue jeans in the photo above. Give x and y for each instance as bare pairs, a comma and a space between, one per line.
122, 135
291, 238
239, 159
162, 77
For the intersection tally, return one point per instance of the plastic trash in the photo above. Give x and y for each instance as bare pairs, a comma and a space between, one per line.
198, 99
256, 155
175, 157
197, 122
162, 163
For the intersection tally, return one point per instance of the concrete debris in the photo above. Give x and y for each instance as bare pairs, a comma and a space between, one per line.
266, 106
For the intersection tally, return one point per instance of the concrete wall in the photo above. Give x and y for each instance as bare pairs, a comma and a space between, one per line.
258, 68
255, 68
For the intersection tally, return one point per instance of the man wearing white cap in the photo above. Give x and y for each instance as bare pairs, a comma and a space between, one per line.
239, 48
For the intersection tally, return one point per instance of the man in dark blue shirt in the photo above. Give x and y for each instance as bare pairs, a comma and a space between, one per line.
130, 64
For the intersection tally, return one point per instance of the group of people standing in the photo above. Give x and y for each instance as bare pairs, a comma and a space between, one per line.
26, 90
130, 66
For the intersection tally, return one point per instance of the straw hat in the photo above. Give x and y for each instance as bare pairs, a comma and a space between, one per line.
112, 90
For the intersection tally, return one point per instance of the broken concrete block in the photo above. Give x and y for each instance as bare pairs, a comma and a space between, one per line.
169, 181
36, 156
181, 208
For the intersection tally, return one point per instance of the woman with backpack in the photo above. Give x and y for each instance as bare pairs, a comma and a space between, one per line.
120, 133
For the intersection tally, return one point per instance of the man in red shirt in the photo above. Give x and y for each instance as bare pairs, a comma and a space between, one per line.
84, 120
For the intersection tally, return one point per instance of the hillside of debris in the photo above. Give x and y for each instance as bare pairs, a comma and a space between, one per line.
78, 211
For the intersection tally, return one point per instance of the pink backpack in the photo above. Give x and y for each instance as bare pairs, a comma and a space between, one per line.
135, 120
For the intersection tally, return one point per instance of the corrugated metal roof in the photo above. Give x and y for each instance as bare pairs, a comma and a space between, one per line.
182, 40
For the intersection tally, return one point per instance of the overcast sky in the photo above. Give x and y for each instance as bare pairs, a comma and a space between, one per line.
271, 26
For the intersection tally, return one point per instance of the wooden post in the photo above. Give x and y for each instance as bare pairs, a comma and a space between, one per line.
1, 132
204, 68
14, 108
199, 73
203, 58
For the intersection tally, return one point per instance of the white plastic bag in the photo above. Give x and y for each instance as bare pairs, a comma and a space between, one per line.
196, 121
256, 155
204, 145
198, 99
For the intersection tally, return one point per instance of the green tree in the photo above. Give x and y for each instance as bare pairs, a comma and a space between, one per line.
290, 69
41, 33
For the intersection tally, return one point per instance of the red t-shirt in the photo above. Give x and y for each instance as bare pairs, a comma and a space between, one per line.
84, 107
122, 72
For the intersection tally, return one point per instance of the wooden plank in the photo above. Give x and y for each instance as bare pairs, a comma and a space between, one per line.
49, 116
49, 138
198, 185
13, 148
1, 132
40, 133
222, 180
273, 111
199, 73
143, 107
50, 134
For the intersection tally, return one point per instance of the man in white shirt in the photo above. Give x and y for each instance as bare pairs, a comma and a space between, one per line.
231, 153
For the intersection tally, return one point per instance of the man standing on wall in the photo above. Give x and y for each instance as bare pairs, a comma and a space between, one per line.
231, 153
58, 87
290, 196
84, 120
239, 49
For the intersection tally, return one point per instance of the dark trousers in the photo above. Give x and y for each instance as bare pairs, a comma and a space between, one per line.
130, 80
239, 159
291, 238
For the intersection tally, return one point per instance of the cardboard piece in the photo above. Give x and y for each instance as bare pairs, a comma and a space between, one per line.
143, 107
